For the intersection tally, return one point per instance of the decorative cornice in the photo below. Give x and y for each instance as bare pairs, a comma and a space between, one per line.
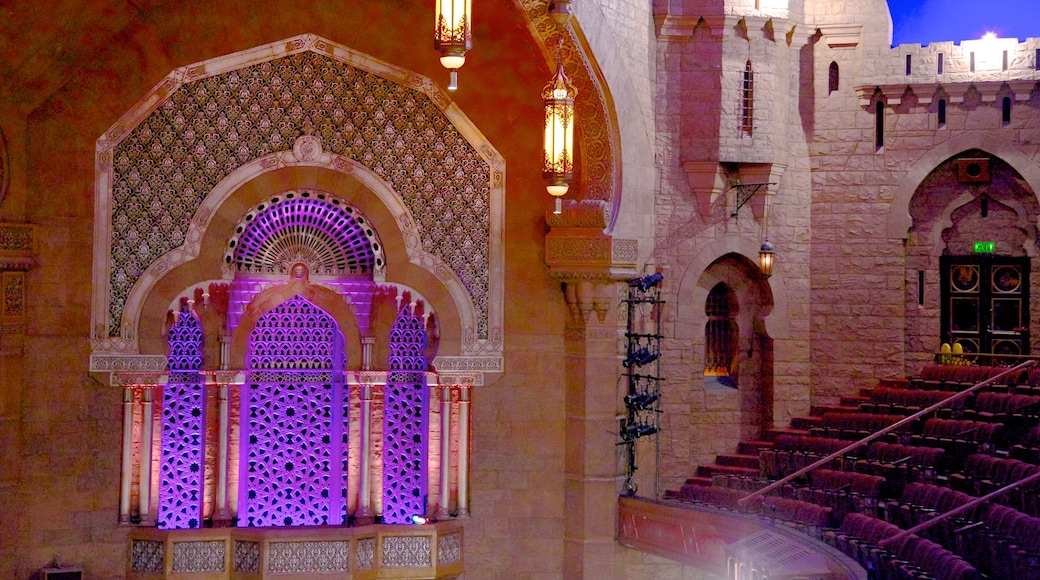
576, 248
127, 362
841, 35
925, 93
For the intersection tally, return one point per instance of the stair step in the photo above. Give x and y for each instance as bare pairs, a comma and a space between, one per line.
753, 447
806, 423
854, 401
738, 460
703, 481
821, 410
716, 469
772, 432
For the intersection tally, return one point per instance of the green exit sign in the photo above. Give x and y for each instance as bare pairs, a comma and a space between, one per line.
985, 247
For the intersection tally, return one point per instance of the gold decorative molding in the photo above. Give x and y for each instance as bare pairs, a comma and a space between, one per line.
588, 261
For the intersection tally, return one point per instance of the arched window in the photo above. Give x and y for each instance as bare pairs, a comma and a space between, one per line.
747, 101
720, 334
833, 76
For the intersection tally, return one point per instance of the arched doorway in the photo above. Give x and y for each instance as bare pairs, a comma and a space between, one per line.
970, 258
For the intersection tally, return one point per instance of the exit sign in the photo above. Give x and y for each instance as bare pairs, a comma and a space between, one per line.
985, 247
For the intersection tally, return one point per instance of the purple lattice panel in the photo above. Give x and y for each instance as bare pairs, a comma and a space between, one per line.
288, 471
405, 416
291, 453
183, 457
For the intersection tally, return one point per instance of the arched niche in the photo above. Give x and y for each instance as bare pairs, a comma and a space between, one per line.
900, 221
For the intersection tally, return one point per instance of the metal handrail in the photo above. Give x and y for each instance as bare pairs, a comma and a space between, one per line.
885, 431
957, 510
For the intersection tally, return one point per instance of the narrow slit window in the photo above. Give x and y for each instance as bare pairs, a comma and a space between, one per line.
909, 66
1005, 112
1005, 60
939, 68
1036, 59
941, 113
879, 125
920, 287
747, 101
833, 77
971, 62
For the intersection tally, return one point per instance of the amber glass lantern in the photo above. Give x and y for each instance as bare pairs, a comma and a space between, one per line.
558, 163
454, 36
765, 258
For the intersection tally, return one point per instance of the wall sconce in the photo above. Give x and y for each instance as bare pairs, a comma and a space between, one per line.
558, 162
453, 36
765, 258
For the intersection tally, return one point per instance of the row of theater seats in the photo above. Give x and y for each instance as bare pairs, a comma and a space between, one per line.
896, 462
985, 406
959, 437
927, 467
909, 557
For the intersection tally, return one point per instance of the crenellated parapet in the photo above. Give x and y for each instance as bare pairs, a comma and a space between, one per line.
993, 68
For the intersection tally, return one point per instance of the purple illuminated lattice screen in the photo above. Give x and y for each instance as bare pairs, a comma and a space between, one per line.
405, 416
295, 424
183, 424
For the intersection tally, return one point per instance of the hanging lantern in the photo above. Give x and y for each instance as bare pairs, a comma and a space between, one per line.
558, 163
765, 258
454, 36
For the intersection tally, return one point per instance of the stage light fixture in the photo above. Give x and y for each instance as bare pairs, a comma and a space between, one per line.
640, 357
647, 282
632, 431
419, 520
641, 401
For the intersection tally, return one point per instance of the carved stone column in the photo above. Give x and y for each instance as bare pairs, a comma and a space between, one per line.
590, 264
17, 251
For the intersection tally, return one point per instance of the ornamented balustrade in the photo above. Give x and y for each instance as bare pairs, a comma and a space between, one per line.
448, 434
432, 551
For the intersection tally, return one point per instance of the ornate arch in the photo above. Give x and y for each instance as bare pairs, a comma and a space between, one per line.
325, 299
899, 220
449, 235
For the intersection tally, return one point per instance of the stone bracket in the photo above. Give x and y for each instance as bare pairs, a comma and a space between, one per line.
710, 180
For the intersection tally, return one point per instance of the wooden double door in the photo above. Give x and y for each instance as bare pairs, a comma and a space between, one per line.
985, 303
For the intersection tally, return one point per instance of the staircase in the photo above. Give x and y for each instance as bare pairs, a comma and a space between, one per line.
744, 463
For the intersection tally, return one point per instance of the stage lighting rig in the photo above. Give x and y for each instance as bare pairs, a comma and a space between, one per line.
644, 283
633, 431
641, 401
640, 357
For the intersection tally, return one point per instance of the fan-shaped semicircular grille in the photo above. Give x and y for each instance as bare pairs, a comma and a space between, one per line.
328, 234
